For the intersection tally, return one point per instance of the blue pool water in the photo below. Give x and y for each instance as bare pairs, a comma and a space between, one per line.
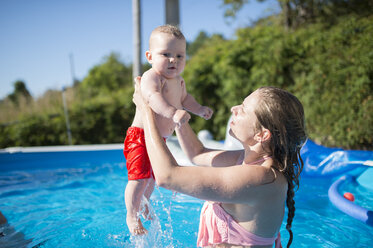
56, 203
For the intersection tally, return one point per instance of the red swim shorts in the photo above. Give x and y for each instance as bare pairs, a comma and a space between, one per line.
137, 159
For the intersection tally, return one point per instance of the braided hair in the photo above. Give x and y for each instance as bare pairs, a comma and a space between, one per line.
282, 114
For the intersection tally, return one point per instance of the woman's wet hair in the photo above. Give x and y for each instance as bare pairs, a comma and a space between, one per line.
282, 114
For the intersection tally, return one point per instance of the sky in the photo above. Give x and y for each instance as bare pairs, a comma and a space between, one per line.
42, 40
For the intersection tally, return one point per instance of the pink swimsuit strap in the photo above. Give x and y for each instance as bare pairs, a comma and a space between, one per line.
217, 227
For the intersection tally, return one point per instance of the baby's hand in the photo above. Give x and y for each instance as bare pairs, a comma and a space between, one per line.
205, 112
181, 117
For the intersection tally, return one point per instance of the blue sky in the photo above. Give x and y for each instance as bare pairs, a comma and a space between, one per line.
38, 36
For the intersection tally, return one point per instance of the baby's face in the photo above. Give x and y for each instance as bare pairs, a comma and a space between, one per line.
167, 55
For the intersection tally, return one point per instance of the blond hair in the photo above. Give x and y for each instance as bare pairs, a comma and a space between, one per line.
167, 29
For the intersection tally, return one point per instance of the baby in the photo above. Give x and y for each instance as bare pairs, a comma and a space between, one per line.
164, 90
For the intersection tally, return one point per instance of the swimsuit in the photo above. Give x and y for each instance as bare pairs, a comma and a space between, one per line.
217, 226
137, 159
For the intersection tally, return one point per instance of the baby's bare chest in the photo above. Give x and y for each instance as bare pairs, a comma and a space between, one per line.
172, 91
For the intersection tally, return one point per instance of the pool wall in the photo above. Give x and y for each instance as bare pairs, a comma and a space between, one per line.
319, 161
30, 158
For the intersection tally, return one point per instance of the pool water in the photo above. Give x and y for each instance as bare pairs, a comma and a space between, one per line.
84, 207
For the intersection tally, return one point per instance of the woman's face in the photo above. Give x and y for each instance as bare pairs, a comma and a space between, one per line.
243, 124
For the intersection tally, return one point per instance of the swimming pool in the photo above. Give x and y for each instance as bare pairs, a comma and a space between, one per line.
76, 199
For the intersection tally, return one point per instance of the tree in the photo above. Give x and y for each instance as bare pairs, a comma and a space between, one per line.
296, 12
20, 90
202, 39
107, 77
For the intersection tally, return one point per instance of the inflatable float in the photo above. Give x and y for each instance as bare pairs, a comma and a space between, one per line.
347, 205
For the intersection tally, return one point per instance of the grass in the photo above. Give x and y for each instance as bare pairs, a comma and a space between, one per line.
50, 103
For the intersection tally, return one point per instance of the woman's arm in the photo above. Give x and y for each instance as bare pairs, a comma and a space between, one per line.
201, 155
235, 184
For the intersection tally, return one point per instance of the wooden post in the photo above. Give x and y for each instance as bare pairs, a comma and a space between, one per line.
136, 16
172, 12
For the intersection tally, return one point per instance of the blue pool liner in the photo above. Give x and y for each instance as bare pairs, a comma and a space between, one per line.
366, 179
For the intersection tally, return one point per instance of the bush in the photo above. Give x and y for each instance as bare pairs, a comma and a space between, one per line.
35, 131
334, 80
103, 119
330, 69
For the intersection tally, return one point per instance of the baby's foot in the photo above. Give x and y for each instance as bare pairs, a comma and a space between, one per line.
135, 226
146, 213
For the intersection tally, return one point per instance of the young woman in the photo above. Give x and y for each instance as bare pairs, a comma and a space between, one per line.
245, 190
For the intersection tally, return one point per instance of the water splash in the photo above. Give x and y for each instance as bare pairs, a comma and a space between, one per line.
167, 234
156, 237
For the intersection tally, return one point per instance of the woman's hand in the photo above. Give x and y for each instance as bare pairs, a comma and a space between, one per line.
138, 99
181, 117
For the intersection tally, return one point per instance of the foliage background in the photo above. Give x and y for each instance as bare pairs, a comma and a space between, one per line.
328, 65
329, 68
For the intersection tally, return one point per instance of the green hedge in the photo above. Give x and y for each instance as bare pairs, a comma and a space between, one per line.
34, 131
330, 69
103, 119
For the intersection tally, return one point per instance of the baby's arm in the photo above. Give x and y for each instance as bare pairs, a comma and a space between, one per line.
151, 89
190, 104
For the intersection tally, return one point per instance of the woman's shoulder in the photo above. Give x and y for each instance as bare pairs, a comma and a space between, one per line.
275, 182
264, 176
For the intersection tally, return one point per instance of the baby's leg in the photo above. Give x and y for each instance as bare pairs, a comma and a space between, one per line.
148, 192
133, 195
150, 188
